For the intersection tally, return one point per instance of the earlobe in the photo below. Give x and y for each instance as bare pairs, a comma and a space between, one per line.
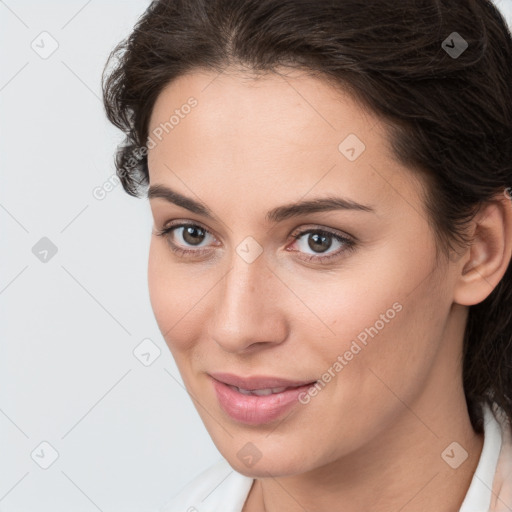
488, 257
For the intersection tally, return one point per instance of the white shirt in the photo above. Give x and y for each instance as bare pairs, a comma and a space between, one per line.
222, 489
478, 497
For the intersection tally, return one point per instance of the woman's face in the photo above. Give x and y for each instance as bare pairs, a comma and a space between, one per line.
369, 316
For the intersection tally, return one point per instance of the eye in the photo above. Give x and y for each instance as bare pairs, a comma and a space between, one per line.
192, 234
320, 241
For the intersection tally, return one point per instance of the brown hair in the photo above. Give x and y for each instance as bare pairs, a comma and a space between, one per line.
448, 107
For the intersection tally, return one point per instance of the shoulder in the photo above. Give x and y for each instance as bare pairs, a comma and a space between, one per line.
217, 488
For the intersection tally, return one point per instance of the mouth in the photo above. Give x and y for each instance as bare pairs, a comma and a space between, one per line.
257, 400
263, 391
257, 382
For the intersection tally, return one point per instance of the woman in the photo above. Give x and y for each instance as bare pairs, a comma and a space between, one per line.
330, 262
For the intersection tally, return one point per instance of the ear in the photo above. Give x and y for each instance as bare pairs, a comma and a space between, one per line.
487, 259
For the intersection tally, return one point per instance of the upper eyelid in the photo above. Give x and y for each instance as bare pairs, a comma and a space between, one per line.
301, 231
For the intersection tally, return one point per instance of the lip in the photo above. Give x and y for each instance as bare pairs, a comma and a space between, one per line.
252, 409
258, 382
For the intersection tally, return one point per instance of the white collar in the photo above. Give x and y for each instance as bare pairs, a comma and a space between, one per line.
478, 497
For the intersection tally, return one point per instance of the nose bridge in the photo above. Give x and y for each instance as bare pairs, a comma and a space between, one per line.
246, 311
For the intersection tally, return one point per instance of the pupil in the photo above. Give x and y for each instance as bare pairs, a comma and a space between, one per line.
318, 239
190, 232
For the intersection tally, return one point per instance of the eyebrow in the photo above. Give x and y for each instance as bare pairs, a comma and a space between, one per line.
275, 215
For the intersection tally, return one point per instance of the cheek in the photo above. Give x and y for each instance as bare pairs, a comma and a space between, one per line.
165, 290
388, 319
157, 284
381, 357
360, 304
176, 298
369, 328
400, 343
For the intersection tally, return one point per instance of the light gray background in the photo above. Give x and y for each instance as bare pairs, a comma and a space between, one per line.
126, 434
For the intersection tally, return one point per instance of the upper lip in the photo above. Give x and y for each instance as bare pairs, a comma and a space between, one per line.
258, 381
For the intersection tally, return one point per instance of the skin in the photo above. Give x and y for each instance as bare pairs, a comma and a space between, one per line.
372, 438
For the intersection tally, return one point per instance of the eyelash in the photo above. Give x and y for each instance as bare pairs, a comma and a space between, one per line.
349, 244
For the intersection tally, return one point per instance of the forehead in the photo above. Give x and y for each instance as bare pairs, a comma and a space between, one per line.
289, 101
276, 133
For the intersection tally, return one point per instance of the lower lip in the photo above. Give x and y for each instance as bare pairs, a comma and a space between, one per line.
256, 410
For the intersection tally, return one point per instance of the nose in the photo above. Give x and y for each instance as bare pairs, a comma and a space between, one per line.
248, 311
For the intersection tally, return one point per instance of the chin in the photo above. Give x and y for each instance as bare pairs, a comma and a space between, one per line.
264, 468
